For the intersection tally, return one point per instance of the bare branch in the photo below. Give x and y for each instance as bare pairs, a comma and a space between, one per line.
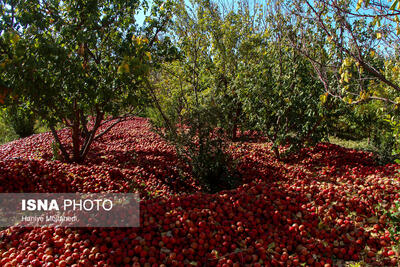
120, 119
61, 146
92, 133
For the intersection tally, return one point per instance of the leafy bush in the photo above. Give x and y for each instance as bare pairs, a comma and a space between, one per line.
353, 122
282, 100
6, 133
393, 136
383, 143
368, 123
21, 120
201, 145
394, 225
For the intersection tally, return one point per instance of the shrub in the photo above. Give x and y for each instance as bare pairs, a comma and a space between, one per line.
6, 133
394, 225
201, 145
20, 120
384, 144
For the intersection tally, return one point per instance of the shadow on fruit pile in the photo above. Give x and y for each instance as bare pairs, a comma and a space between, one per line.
323, 207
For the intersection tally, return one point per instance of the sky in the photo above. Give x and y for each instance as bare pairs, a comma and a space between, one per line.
141, 15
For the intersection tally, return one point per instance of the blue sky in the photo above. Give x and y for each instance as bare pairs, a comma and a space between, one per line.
140, 17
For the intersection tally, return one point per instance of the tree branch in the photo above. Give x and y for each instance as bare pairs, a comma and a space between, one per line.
89, 141
57, 139
120, 119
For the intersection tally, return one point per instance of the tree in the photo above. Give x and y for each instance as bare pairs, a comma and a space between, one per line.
215, 41
354, 46
195, 94
77, 64
238, 63
280, 95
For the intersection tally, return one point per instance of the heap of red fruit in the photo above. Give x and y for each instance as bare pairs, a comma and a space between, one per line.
323, 207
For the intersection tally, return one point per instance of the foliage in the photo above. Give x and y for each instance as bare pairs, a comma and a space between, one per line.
357, 47
6, 133
203, 148
249, 75
187, 100
395, 135
281, 99
75, 63
354, 53
20, 119
394, 226
189, 119
364, 126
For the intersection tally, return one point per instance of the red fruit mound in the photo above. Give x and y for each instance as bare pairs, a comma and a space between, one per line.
322, 207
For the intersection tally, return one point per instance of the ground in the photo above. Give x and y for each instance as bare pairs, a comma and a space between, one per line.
323, 207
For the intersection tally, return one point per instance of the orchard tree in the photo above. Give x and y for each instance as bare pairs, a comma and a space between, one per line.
233, 33
279, 90
352, 45
77, 64
237, 64
197, 95
215, 42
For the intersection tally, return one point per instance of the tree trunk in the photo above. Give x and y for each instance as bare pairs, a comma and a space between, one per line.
76, 142
276, 152
234, 130
235, 122
88, 142
76, 135
58, 141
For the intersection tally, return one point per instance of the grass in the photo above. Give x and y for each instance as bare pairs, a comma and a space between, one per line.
359, 144
41, 128
6, 133
382, 155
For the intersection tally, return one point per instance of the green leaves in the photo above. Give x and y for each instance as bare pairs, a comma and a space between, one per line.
323, 98
76, 57
394, 226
